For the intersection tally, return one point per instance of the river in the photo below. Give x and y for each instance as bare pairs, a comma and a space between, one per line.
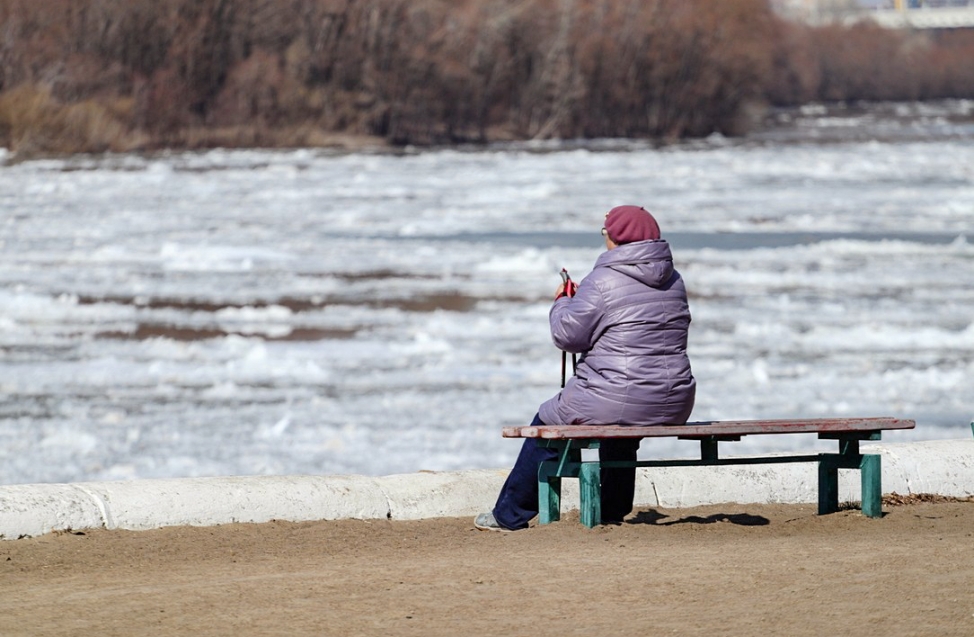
310, 312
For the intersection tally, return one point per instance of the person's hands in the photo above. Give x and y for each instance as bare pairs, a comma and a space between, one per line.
566, 289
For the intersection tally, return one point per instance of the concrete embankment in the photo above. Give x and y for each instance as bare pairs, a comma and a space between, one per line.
941, 467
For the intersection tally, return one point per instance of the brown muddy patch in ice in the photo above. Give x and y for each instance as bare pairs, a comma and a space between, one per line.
448, 301
145, 331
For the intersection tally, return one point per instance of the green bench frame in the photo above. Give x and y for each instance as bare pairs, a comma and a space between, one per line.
569, 441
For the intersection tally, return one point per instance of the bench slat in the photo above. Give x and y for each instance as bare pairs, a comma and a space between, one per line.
712, 428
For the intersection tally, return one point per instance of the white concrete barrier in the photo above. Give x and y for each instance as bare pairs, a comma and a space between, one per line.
27, 510
941, 467
143, 504
429, 494
35, 509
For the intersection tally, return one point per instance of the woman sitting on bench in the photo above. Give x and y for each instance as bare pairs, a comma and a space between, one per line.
629, 320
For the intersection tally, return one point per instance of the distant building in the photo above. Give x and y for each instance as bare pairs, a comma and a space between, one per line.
917, 14
817, 11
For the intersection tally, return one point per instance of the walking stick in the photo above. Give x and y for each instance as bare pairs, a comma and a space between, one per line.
569, 291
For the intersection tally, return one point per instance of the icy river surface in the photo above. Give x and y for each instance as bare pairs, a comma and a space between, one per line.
307, 312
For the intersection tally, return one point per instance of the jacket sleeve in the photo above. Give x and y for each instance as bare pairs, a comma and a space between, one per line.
575, 320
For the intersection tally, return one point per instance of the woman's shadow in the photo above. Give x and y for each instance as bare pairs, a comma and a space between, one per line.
656, 518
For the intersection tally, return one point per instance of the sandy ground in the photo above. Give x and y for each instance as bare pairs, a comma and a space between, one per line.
721, 570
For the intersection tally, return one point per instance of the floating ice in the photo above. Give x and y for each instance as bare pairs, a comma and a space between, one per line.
248, 312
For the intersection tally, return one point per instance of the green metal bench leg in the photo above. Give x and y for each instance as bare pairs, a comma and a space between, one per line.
549, 493
872, 485
550, 474
590, 492
828, 487
708, 449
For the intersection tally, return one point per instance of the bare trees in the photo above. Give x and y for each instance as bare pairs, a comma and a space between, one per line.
122, 74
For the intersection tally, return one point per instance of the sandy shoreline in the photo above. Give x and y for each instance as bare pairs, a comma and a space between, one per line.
726, 569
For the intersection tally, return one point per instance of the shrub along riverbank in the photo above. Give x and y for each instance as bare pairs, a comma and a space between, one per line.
96, 75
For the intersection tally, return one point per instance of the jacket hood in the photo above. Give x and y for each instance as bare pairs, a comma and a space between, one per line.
649, 262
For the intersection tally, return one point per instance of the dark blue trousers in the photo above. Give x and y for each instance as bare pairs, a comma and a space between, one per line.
518, 499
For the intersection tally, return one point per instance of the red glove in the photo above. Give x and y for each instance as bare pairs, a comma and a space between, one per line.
566, 289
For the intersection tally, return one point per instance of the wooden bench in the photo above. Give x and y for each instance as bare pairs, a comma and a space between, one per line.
569, 441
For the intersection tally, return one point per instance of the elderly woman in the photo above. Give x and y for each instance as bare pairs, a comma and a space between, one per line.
629, 319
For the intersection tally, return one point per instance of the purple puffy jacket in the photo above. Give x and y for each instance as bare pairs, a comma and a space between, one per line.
629, 319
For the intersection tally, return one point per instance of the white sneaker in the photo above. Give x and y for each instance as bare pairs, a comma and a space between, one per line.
486, 522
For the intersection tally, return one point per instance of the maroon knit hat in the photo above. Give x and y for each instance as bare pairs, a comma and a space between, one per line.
628, 224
